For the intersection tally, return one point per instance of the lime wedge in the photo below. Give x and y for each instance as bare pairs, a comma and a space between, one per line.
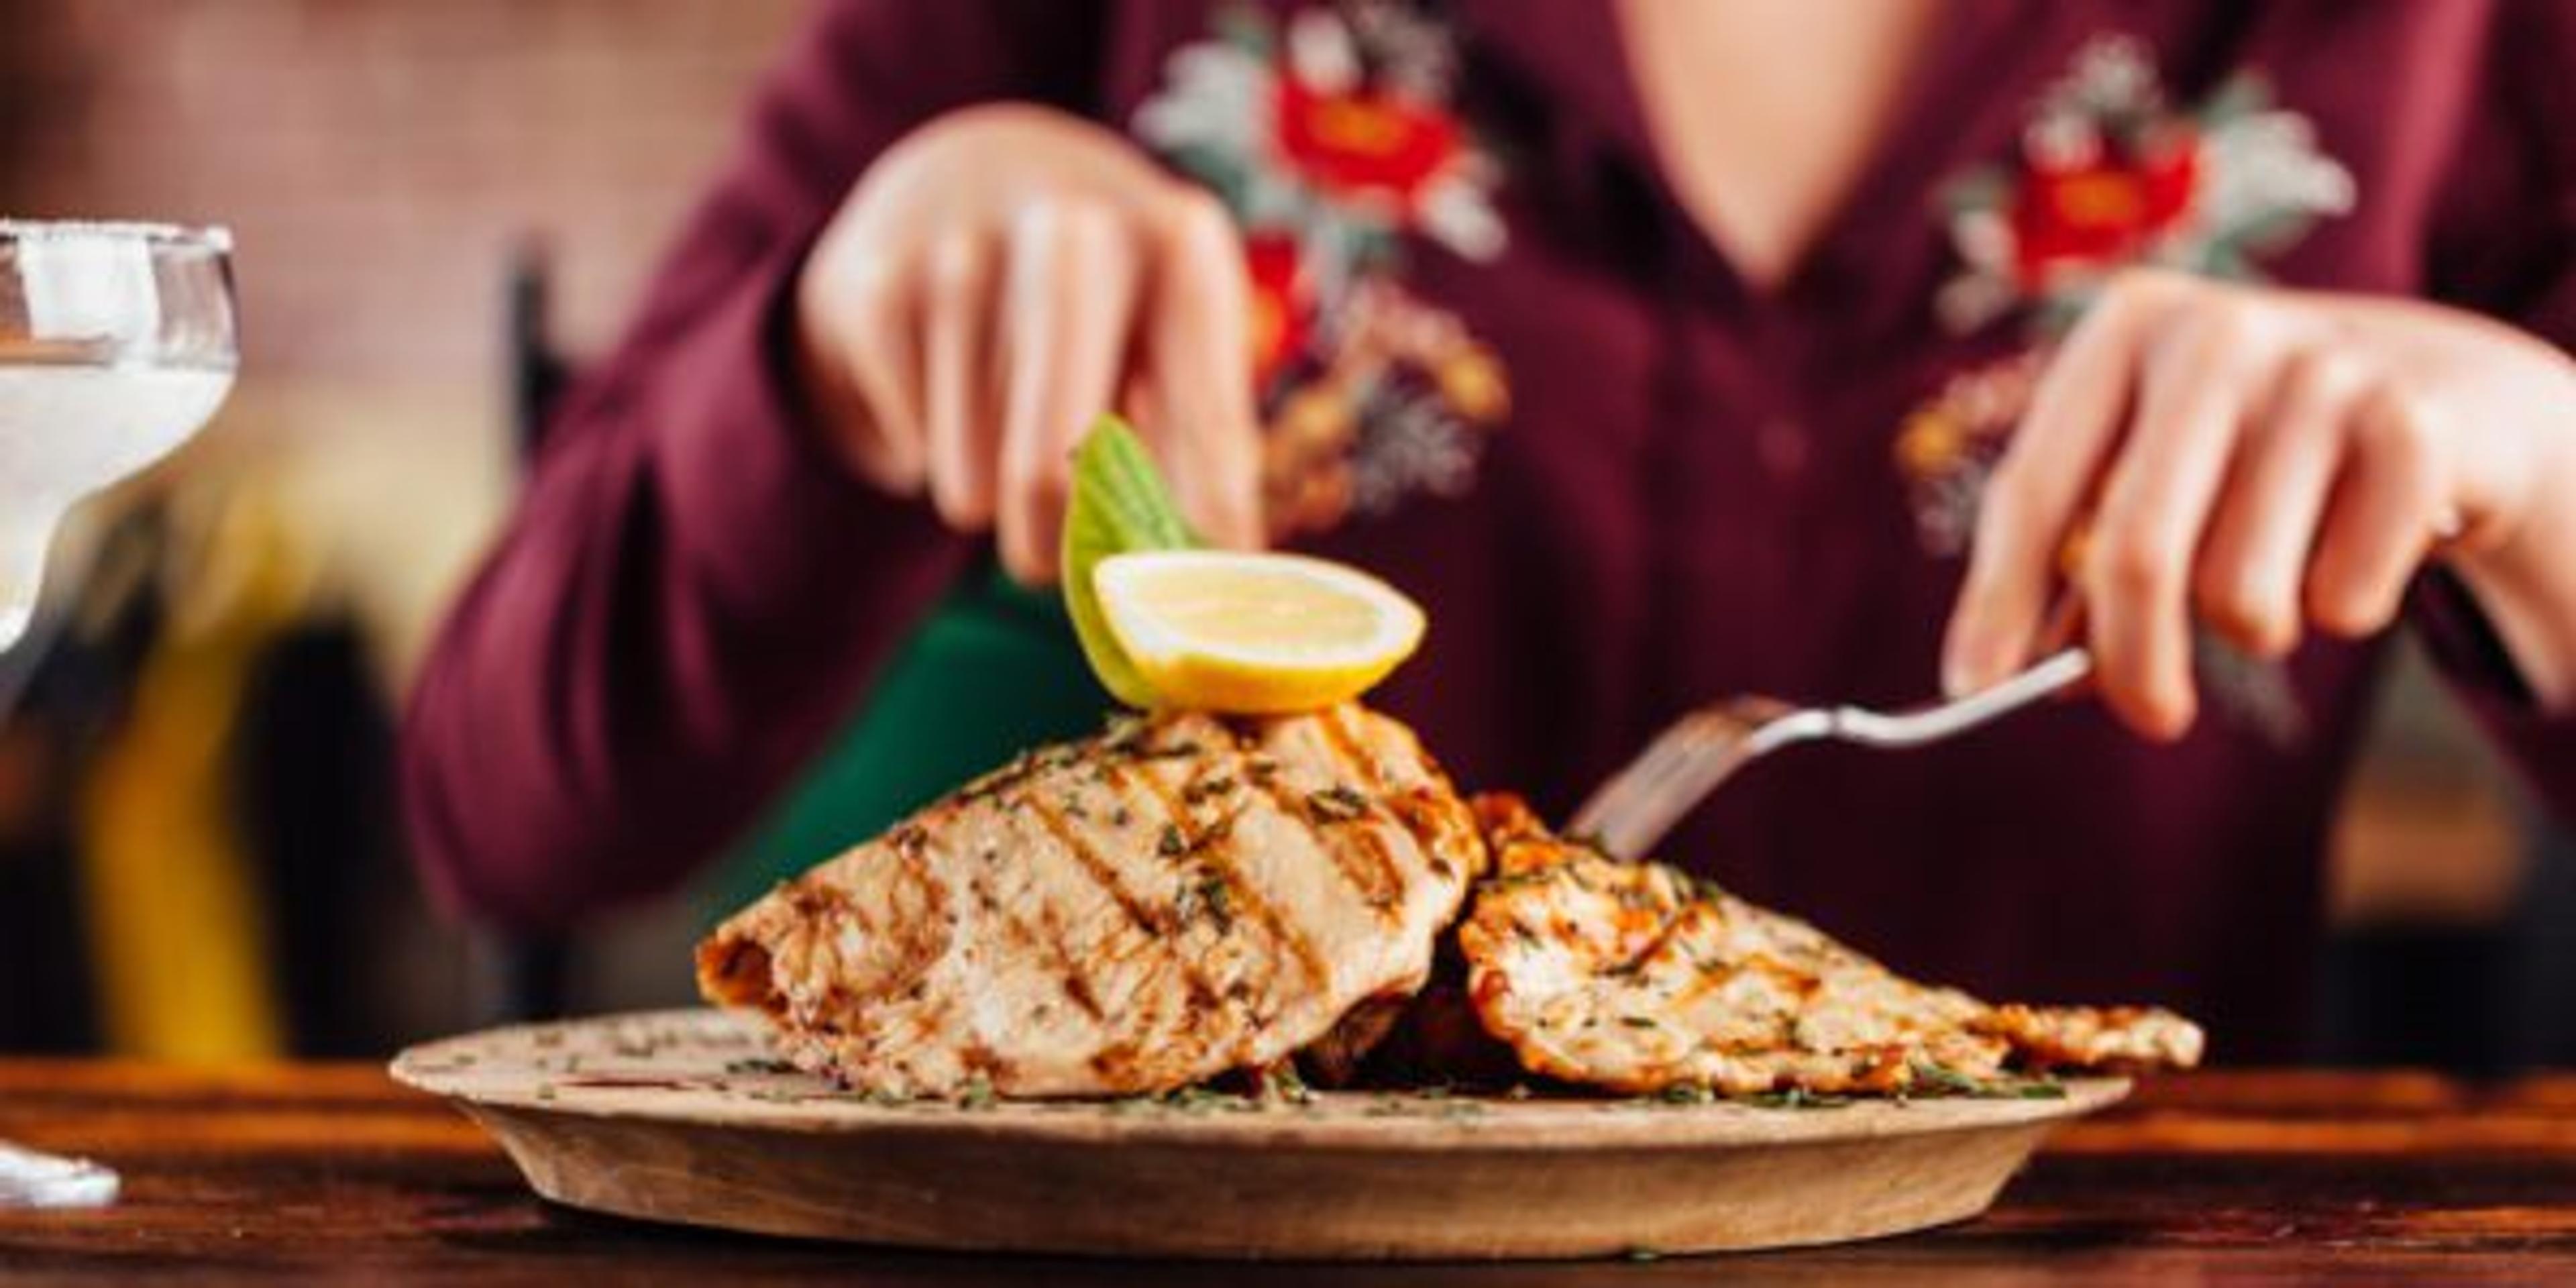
1119, 506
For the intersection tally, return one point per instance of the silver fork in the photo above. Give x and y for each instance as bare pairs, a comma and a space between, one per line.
1630, 813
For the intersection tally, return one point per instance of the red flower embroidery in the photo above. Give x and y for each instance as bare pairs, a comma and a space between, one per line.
2108, 175
2105, 209
1283, 302
1364, 144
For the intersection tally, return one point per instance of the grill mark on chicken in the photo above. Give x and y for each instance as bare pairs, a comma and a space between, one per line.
1211, 845
1249, 899
1375, 894
1382, 897
1157, 920
1344, 749
1419, 819
1705, 980
1046, 941
1148, 919
1163, 797
1339, 746
1076, 986
1143, 916
1653, 947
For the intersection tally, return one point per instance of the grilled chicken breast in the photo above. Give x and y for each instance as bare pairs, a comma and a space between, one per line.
1635, 977
1176, 899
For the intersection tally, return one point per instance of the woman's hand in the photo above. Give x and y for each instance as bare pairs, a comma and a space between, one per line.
2263, 460
996, 280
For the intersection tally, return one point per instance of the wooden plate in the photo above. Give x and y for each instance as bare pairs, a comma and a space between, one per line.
681, 1116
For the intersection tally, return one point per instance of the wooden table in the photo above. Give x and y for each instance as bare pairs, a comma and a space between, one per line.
333, 1170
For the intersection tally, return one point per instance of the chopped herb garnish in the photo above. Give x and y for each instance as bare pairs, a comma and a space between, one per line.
1174, 844
1637, 897
1932, 1078
1190, 1100
1203, 1100
1797, 1098
1336, 804
1204, 893
1282, 1083
1639, 1021
977, 1095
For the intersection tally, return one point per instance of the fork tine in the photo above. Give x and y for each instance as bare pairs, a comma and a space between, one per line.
1642, 801
1664, 758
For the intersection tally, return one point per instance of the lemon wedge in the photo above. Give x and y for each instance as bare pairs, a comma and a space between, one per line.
1253, 634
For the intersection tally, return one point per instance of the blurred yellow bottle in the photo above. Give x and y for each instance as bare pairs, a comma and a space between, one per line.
178, 933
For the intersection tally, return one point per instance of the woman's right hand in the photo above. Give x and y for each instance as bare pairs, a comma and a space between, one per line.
996, 280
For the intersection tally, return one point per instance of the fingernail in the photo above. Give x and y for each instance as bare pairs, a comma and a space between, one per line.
1961, 675
1951, 680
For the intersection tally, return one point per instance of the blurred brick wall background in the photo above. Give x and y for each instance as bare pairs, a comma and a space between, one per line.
377, 161
377, 157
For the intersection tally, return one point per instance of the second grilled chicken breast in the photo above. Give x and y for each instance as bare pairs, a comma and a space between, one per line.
1636, 977
1179, 898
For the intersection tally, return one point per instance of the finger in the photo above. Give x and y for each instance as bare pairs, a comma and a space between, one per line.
2252, 564
879, 310
1068, 294
2385, 512
2156, 501
959, 419
1198, 337
2040, 488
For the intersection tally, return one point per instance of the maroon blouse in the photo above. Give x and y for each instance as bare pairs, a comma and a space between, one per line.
1505, 372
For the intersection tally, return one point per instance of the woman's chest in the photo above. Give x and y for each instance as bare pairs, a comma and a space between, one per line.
1465, 256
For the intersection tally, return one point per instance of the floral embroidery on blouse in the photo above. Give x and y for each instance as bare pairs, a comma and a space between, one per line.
2109, 177
1330, 138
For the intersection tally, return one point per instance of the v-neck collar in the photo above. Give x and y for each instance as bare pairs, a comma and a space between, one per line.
1878, 245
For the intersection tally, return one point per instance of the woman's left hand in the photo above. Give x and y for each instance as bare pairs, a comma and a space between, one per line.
2262, 460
